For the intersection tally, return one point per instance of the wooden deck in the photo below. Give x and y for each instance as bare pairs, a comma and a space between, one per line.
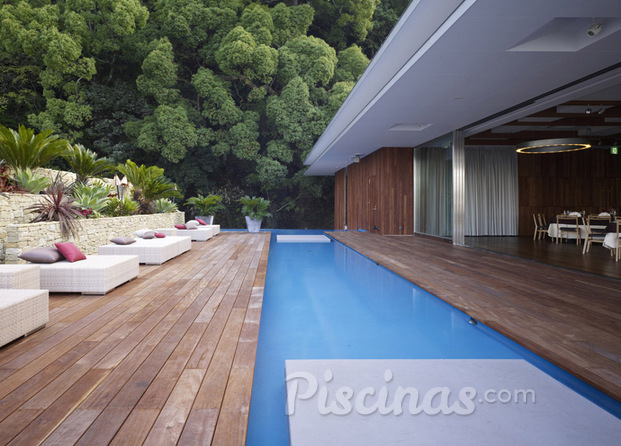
570, 318
166, 358
567, 255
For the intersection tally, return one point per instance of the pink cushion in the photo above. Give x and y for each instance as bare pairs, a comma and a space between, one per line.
70, 251
201, 221
180, 226
160, 235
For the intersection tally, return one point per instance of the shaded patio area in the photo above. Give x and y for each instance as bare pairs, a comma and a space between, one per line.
167, 357
568, 317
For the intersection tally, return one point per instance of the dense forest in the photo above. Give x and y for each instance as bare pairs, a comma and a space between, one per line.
228, 96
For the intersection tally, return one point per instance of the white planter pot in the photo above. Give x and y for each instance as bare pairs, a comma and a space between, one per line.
208, 219
253, 225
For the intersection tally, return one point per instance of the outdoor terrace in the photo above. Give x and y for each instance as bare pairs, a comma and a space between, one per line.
167, 357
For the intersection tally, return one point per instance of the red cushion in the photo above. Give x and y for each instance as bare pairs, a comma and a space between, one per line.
70, 251
201, 221
160, 235
180, 226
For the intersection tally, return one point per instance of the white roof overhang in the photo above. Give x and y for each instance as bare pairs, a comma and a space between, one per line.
452, 64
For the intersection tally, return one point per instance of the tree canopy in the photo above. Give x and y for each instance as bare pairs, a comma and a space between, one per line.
228, 95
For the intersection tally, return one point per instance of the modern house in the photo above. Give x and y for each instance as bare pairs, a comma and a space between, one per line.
426, 141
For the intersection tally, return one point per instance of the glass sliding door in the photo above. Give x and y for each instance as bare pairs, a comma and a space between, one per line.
433, 191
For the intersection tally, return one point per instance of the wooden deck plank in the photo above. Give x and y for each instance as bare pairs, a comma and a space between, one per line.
128, 367
568, 317
174, 414
48, 420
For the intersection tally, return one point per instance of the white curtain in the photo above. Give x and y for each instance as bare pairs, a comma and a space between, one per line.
491, 191
433, 191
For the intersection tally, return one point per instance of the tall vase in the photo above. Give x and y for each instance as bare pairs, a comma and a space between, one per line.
254, 225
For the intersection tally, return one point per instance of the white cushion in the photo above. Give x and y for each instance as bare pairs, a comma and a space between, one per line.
145, 233
192, 224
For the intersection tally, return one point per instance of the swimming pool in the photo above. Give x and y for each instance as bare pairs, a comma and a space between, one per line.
325, 301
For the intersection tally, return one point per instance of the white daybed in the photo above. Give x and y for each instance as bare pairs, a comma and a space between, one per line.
22, 311
216, 228
153, 251
200, 234
95, 275
19, 276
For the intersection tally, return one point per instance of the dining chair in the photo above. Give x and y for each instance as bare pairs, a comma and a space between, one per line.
618, 241
541, 228
567, 224
543, 225
596, 231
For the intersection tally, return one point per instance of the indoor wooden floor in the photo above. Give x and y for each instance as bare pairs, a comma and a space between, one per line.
570, 318
166, 358
567, 255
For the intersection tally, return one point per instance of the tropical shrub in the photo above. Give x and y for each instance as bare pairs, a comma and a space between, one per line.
30, 181
206, 206
23, 149
149, 184
57, 205
121, 208
94, 197
86, 164
255, 207
7, 184
164, 206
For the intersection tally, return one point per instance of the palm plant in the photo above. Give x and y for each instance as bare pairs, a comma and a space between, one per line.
93, 197
164, 206
57, 205
30, 181
149, 184
206, 206
121, 208
23, 149
255, 207
86, 164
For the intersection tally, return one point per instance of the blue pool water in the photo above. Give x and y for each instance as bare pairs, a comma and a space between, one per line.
326, 301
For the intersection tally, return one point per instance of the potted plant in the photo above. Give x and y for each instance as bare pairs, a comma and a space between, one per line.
206, 207
255, 209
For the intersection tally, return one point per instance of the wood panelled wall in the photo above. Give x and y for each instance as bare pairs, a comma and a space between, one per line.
588, 180
339, 199
379, 193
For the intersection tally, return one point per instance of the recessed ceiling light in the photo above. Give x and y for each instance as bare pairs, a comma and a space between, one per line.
409, 127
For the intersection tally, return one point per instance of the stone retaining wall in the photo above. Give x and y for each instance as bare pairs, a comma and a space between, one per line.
92, 233
12, 211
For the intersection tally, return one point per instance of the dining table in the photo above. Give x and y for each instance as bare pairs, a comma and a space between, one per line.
553, 229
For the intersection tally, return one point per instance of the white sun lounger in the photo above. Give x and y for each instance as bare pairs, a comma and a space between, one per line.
95, 275
201, 234
153, 251
22, 311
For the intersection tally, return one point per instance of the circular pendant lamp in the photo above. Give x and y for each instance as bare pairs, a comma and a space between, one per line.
556, 145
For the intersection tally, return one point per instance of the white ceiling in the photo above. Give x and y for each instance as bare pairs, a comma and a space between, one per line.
449, 64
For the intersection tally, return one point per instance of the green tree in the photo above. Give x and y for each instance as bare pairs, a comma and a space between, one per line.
225, 95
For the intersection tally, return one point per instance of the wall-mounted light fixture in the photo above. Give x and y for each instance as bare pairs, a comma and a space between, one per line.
556, 145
